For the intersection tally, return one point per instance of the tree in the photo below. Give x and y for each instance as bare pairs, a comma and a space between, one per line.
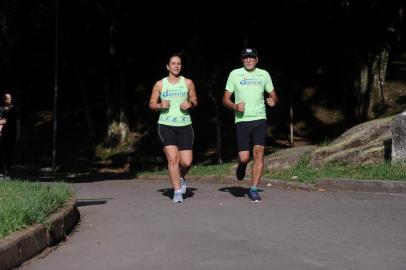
368, 30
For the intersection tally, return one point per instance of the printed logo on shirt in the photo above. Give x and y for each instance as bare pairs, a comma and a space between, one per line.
174, 93
174, 119
250, 82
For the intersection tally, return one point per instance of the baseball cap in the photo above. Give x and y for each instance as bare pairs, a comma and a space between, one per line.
249, 52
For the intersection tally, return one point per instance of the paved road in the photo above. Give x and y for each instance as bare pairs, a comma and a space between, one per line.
134, 225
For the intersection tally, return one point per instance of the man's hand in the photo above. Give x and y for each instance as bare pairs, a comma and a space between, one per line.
240, 107
271, 102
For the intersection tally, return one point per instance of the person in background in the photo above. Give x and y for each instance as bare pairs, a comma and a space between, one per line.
248, 85
173, 96
9, 133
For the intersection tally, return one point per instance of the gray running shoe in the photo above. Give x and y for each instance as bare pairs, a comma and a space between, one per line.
183, 185
177, 197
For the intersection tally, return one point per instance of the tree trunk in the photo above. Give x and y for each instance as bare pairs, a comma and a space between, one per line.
371, 85
124, 129
218, 129
379, 65
367, 84
85, 100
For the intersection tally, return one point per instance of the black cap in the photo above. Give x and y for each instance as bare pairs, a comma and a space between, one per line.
249, 52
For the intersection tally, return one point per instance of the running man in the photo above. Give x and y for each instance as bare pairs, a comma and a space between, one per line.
248, 85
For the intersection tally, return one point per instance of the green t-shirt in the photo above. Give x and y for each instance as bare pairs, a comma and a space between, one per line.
249, 87
176, 94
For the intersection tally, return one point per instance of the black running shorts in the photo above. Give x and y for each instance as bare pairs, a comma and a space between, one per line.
182, 137
250, 133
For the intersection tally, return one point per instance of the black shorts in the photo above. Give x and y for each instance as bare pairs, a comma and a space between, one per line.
182, 137
250, 132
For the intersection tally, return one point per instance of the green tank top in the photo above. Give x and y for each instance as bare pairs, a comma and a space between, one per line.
176, 94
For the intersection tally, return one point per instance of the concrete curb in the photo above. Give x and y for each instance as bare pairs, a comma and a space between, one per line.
22, 245
377, 186
380, 186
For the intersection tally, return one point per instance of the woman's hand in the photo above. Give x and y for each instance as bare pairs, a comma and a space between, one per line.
165, 104
186, 105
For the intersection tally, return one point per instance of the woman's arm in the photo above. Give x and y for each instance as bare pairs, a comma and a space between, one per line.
154, 104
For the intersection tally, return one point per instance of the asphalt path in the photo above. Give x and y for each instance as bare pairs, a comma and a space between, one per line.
133, 224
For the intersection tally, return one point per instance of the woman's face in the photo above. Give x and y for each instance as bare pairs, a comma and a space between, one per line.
7, 99
175, 65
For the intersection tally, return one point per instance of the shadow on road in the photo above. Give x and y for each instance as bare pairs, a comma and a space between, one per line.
87, 202
237, 191
168, 192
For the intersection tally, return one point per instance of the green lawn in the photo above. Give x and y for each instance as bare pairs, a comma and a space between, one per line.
26, 203
304, 173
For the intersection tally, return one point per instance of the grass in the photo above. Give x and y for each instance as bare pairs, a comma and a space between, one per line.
304, 173
207, 169
26, 203
201, 169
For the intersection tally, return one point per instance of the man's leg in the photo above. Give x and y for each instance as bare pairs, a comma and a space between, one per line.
243, 131
258, 166
243, 159
259, 138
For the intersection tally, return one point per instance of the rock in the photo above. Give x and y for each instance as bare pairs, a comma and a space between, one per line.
287, 158
368, 142
282, 159
398, 129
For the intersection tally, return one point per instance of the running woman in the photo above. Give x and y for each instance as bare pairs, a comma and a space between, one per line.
174, 96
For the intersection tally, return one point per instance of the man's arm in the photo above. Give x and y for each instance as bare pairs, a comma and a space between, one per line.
229, 104
272, 99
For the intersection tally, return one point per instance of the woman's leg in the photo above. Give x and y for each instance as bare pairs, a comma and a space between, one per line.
173, 156
185, 162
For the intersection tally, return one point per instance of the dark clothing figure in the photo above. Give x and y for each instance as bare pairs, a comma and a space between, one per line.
8, 137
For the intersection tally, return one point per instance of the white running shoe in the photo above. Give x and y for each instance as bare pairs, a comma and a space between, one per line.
183, 185
177, 197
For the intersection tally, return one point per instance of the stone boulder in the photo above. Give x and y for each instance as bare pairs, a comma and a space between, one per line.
282, 159
287, 158
369, 142
398, 129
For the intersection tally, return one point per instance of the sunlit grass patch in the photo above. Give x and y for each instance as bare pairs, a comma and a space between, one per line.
304, 173
26, 203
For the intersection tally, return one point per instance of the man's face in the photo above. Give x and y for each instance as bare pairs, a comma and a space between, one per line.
7, 99
249, 62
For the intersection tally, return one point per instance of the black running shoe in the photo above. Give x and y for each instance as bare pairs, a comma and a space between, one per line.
240, 172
